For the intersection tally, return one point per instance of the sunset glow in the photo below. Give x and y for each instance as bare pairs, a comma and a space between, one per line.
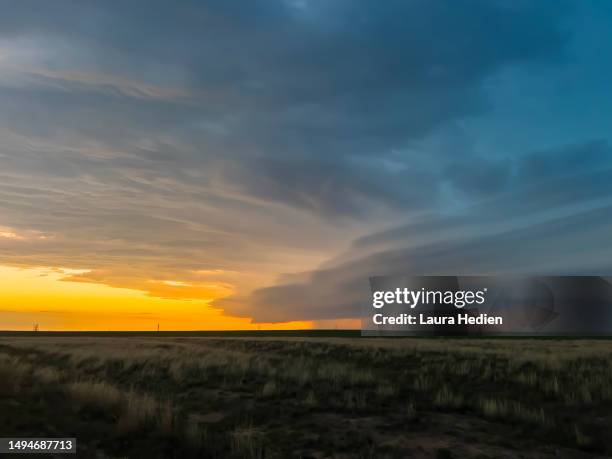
43, 296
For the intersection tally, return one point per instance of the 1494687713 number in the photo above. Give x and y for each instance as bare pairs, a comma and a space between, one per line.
37, 445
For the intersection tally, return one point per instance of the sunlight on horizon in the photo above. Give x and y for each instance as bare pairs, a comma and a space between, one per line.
43, 296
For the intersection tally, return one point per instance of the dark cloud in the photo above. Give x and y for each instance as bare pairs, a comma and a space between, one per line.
557, 222
283, 89
569, 160
478, 176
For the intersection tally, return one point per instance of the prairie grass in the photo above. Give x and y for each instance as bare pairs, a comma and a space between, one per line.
139, 411
581, 439
353, 400
385, 390
194, 435
97, 394
12, 374
270, 389
247, 442
47, 375
311, 399
446, 398
411, 412
488, 381
132, 411
511, 410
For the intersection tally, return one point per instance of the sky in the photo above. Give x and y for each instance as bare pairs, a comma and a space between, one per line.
249, 164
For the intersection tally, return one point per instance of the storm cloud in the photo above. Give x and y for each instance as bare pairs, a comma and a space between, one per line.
557, 222
235, 143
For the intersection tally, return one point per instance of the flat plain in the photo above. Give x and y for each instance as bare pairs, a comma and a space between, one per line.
277, 396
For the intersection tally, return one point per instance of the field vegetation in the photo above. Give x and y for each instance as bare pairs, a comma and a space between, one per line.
165, 397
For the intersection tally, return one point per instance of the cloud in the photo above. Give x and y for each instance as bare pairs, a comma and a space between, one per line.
151, 142
557, 221
278, 102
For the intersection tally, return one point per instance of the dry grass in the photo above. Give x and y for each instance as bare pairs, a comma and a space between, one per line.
581, 439
133, 411
340, 376
12, 374
194, 435
47, 375
385, 390
504, 409
270, 389
98, 395
311, 399
446, 398
138, 411
247, 443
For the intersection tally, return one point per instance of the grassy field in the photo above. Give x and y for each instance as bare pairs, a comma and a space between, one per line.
305, 396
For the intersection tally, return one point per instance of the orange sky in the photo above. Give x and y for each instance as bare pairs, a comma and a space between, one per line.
40, 295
